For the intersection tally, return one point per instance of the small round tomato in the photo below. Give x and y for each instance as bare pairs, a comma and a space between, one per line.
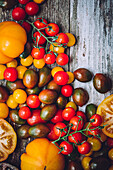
35, 118
18, 13
33, 101
4, 110
62, 38
21, 70
51, 135
84, 148
81, 114
85, 162
2, 69
50, 57
60, 129
12, 63
72, 39
40, 40
10, 74
77, 123
31, 8
40, 23
39, 63
56, 48
75, 137
26, 26
95, 144
66, 148
71, 77
38, 53
20, 96
56, 69
11, 102
72, 104
94, 131
68, 113
24, 112
58, 117
52, 29
62, 59
67, 90
26, 61
110, 142
61, 78
23, 2
96, 120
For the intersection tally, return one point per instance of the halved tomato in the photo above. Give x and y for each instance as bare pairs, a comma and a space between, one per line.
8, 139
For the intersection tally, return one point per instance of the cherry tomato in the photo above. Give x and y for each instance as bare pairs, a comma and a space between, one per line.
31, 8
97, 120
50, 57
51, 134
40, 23
26, 26
94, 131
110, 154
18, 13
20, 96
110, 142
77, 123
33, 101
62, 59
26, 61
67, 90
58, 117
56, 48
80, 113
23, 1
72, 104
62, 38
68, 113
11, 102
60, 129
24, 112
85, 162
35, 118
10, 74
66, 148
38, 53
61, 78
39, 38
72, 39
95, 144
2, 69
12, 63
56, 69
71, 77
75, 137
84, 148
39, 63
52, 29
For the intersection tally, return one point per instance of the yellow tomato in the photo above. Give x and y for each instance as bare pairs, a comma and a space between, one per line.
11, 102
56, 69
72, 39
38, 1
4, 110
71, 77
95, 144
2, 69
26, 61
90, 153
72, 104
39, 63
56, 48
21, 70
110, 154
85, 163
20, 96
12, 63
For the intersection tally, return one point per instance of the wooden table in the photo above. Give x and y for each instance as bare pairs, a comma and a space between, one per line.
91, 21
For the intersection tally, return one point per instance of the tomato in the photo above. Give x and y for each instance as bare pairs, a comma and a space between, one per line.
12, 63
40, 23
52, 29
61, 78
62, 59
50, 57
85, 162
24, 112
110, 142
80, 113
26, 26
35, 118
68, 113
31, 8
77, 123
62, 38
39, 63
20, 96
56, 69
10, 74
95, 144
39, 1
72, 39
40, 40
11, 102
33, 101
84, 148
71, 77
26, 61
51, 135
38, 53
21, 70
75, 137
18, 13
72, 104
110, 154
58, 117
23, 1
67, 90
2, 69
94, 131
66, 148
4, 110
60, 129
56, 48
96, 120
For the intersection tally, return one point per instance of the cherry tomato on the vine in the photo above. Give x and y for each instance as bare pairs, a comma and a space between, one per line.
26, 26
96, 120
61, 78
38, 53
60, 129
50, 57
62, 59
10, 74
77, 123
52, 29
80, 113
95, 131
67, 90
40, 23
24, 112
62, 38
58, 117
31, 8
84, 148
66, 148
75, 137
23, 2
40, 40
18, 13
33, 101
68, 113
51, 135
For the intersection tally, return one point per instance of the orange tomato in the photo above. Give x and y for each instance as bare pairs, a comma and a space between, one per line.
4, 110
57, 49
26, 61
72, 39
39, 63
12, 63
2, 69
20, 96
21, 70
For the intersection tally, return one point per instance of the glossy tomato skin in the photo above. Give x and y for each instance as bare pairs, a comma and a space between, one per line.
77, 123
57, 128
94, 131
39, 38
68, 113
52, 29
24, 112
23, 2
67, 90
50, 57
82, 114
84, 148
62, 59
67, 148
18, 13
10, 74
26, 26
33, 101
38, 53
31, 8
61, 78
97, 120
75, 137
58, 117
40, 23
51, 136
62, 38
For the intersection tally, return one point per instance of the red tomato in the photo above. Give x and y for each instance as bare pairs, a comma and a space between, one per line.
62, 38
10, 74
40, 23
110, 142
66, 148
38, 53
39, 38
50, 57
52, 29
67, 90
84, 148
24, 112
60, 129
94, 131
31, 8
77, 123
51, 134
62, 59
97, 120
80, 113
35, 118
33, 101
23, 1
68, 113
18, 13
58, 117
61, 77
26, 26
75, 137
